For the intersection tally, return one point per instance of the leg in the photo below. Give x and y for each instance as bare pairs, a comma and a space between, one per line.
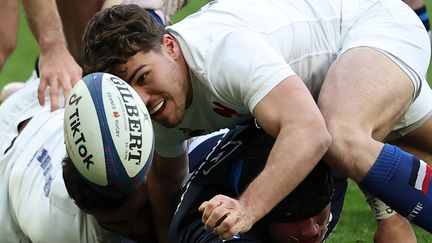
359, 105
418, 142
8, 29
75, 16
353, 92
395, 228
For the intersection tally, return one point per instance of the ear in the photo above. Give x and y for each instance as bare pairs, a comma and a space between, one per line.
171, 46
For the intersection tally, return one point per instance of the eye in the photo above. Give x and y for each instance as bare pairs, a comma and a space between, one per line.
141, 79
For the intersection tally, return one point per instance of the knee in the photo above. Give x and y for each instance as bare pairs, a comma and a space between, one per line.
347, 143
6, 49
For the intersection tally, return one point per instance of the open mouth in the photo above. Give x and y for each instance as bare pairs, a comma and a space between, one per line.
156, 109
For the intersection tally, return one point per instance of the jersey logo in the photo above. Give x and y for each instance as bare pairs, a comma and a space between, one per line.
224, 110
224, 152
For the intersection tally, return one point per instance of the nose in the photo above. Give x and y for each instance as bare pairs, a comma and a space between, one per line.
307, 228
145, 97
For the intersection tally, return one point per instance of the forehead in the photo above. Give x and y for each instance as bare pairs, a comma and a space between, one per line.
135, 62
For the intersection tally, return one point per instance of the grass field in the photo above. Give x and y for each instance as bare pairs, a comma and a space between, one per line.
356, 225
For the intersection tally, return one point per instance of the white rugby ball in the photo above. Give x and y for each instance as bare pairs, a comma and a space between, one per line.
108, 133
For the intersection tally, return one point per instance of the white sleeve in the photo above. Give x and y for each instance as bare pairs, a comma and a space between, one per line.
168, 143
246, 66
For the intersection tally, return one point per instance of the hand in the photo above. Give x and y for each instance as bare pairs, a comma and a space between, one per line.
57, 68
225, 216
148, 4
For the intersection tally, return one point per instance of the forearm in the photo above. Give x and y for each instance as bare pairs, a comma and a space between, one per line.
45, 23
110, 3
289, 162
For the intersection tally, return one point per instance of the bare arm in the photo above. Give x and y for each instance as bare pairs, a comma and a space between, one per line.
8, 29
164, 181
56, 65
289, 114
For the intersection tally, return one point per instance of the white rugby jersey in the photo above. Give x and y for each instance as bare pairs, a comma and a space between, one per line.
34, 204
238, 51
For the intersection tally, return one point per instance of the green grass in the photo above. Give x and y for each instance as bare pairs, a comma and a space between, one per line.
356, 225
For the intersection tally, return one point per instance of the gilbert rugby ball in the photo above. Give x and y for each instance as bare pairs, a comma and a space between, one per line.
108, 133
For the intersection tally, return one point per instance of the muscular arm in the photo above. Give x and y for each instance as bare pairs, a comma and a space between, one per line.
289, 114
164, 181
56, 65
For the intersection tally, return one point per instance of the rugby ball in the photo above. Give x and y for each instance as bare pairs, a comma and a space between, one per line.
108, 133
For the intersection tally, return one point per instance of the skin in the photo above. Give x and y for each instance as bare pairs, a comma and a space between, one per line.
345, 94
57, 67
132, 219
310, 230
8, 29
160, 77
74, 17
157, 78
58, 27
393, 229
240, 213
396, 228
354, 153
344, 116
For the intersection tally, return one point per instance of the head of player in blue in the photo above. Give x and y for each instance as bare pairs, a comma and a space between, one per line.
128, 215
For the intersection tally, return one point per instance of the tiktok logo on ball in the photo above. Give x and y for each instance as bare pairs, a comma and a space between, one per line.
77, 135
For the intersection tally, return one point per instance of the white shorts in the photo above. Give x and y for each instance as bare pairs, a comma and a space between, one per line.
405, 41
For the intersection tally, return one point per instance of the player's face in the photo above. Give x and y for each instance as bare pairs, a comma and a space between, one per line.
162, 81
311, 230
132, 219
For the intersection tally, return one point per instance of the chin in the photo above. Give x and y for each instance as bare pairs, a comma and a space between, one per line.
171, 121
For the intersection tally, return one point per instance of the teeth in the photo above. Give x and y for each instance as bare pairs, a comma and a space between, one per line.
157, 108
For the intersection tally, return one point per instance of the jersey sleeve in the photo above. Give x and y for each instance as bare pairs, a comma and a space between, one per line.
246, 66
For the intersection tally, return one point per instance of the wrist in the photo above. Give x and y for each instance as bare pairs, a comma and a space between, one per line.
50, 43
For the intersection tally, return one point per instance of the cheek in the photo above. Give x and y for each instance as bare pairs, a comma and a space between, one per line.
323, 217
281, 232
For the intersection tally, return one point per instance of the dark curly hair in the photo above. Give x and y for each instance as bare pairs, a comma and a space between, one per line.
88, 198
115, 34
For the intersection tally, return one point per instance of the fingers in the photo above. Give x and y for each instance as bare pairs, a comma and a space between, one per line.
67, 87
53, 95
55, 84
58, 70
224, 216
41, 91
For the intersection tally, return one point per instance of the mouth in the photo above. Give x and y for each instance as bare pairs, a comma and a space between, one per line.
156, 109
314, 239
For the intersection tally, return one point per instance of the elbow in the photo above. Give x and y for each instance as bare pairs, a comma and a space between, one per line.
326, 141
322, 138
5, 53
